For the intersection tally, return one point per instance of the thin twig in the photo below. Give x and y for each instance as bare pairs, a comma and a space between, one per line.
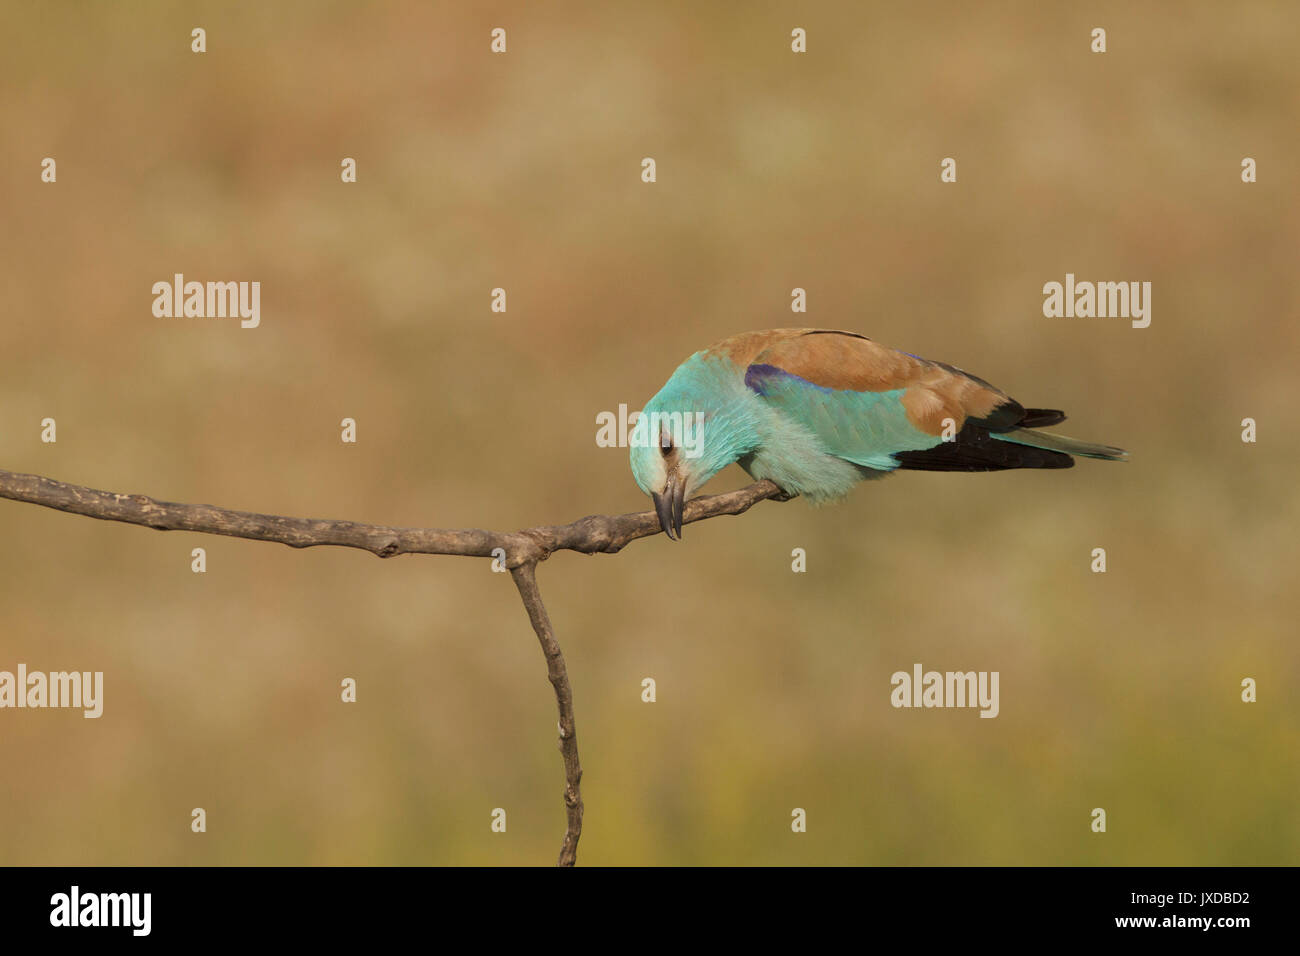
523, 550
526, 581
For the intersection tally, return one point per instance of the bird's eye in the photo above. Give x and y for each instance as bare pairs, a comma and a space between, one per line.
666, 448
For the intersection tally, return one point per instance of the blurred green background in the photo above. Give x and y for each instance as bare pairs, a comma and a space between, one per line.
522, 171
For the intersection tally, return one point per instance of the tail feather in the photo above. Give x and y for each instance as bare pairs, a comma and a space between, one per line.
1061, 443
1040, 417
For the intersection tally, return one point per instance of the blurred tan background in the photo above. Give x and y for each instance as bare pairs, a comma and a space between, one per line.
522, 171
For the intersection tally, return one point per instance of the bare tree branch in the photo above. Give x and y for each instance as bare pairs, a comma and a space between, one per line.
590, 535
593, 534
526, 581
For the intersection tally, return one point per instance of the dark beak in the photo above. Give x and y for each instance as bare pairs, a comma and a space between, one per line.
670, 506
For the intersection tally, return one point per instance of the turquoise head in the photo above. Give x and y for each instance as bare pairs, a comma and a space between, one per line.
703, 419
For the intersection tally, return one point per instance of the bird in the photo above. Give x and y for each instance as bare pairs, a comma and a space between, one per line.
818, 410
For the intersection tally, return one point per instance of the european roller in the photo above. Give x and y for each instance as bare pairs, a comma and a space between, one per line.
817, 411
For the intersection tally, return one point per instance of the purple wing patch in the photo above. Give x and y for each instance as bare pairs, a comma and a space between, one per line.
762, 378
